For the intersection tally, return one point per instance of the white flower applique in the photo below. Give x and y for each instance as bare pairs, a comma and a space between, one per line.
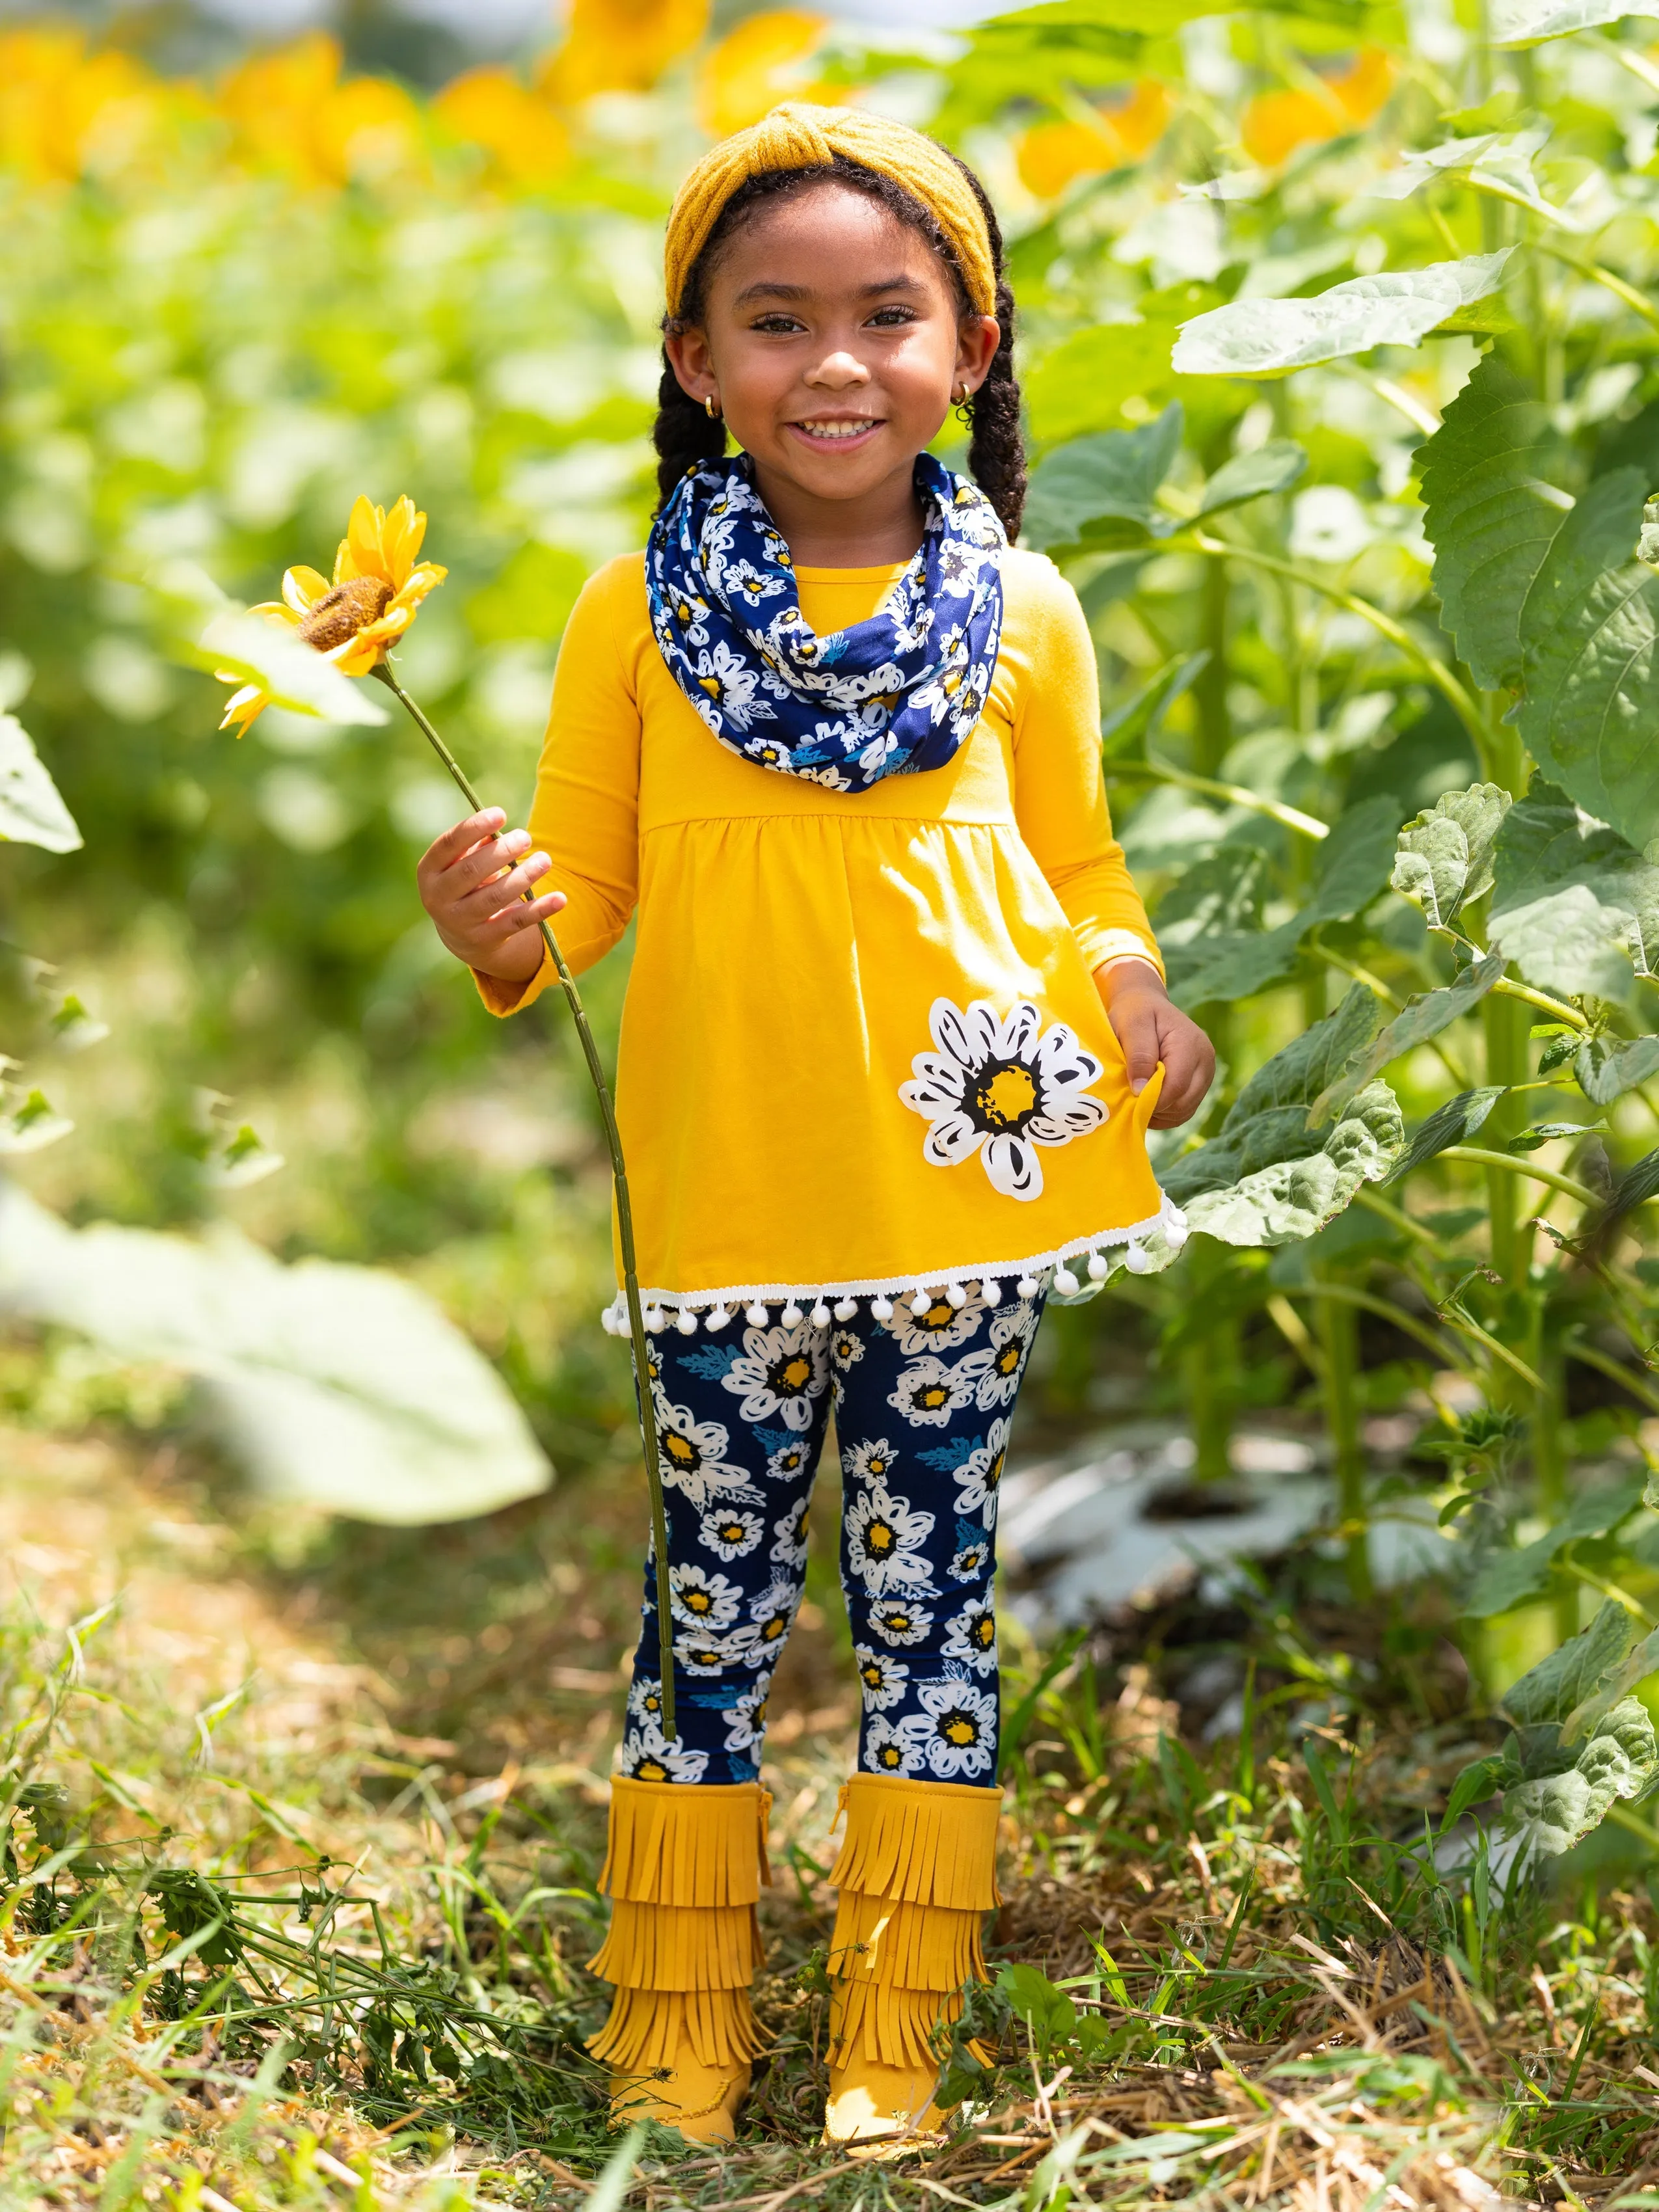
1001, 1086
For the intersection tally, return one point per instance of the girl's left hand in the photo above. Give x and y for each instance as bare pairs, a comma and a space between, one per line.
1150, 1029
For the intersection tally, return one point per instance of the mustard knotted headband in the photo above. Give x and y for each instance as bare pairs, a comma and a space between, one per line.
799, 137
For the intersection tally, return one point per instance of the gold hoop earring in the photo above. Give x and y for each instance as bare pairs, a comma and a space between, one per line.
711, 407
963, 400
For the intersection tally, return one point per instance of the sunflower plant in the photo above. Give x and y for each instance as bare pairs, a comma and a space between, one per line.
351, 622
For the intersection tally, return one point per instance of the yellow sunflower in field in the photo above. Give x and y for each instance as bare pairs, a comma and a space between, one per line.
377, 590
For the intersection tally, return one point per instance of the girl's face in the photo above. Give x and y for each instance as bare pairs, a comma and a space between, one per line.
832, 341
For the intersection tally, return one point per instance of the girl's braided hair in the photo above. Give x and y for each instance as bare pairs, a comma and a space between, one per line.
685, 434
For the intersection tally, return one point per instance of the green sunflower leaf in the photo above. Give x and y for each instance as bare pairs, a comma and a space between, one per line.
1445, 855
1267, 1177
1574, 905
1489, 515
1589, 631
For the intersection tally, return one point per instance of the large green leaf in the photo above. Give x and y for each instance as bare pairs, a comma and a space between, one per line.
1588, 634
1270, 468
1573, 1671
1529, 22
1084, 383
1270, 338
1488, 515
1422, 1018
1454, 1123
1445, 855
1266, 1178
255, 649
1573, 905
32, 809
1604, 1067
1101, 490
341, 1386
1220, 962
1547, 1814
1509, 1577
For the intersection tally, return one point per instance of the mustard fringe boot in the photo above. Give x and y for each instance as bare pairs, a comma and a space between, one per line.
917, 1873
684, 1871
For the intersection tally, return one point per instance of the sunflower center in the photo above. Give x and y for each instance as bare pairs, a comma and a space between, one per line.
1005, 1095
791, 1376
959, 1728
880, 1538
683, 1452
341, 613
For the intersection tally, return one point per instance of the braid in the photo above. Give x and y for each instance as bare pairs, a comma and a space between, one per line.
996, 451
683, 434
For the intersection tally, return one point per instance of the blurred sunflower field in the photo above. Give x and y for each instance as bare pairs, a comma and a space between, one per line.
1341, 354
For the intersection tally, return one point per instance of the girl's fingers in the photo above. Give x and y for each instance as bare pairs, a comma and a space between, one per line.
499, 891
454, 841
525, 916
1136, 1021
486, 860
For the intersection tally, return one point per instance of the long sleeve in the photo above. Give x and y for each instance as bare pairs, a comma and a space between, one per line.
585, 812
1059, 795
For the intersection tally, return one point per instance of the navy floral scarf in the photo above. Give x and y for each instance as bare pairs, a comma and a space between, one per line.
891, 695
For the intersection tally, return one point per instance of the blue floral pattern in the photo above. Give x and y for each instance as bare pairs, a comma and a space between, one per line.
922, 1402
895, 694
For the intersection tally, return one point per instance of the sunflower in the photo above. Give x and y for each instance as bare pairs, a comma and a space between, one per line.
377, 589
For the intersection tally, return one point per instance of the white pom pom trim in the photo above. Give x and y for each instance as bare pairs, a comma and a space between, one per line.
687, 1323
1099, 1268
757, 1315
1136, 1260
654, 1318
1027, 1286
992, 1293
820, 1316
717, 1317
881, 1308
1066, 1282
847, 1310
792, 1315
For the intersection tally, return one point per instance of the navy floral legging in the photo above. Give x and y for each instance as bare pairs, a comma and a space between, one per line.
923, 1405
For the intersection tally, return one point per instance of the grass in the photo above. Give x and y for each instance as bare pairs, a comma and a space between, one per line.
302, 1838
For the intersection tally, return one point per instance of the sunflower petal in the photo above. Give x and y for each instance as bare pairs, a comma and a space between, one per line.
242, 707
404, 529
302, 588
357, 655
360, 549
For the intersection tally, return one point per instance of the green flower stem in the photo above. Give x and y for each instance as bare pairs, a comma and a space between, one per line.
1558, 1009
1478, 1156
1235, 794
624, 1226
1338, 1325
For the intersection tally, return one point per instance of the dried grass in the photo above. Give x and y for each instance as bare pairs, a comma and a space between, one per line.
1241, 2002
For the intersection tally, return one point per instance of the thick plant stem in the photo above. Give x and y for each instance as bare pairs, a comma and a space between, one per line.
1549, 1465
624, 1227
1214, 732
1211, 1362
1339, 1337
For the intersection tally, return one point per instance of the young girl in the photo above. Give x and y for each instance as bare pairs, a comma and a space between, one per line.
894, 1031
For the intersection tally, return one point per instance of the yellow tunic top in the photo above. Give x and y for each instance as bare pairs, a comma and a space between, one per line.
862, 1050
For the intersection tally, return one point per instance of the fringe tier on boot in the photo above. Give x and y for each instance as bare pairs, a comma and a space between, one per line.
684, 1869
917, 1875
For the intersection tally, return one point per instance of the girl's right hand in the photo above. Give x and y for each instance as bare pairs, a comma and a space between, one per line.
473, 881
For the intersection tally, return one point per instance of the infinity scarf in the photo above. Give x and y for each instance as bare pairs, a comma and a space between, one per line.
891, 695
